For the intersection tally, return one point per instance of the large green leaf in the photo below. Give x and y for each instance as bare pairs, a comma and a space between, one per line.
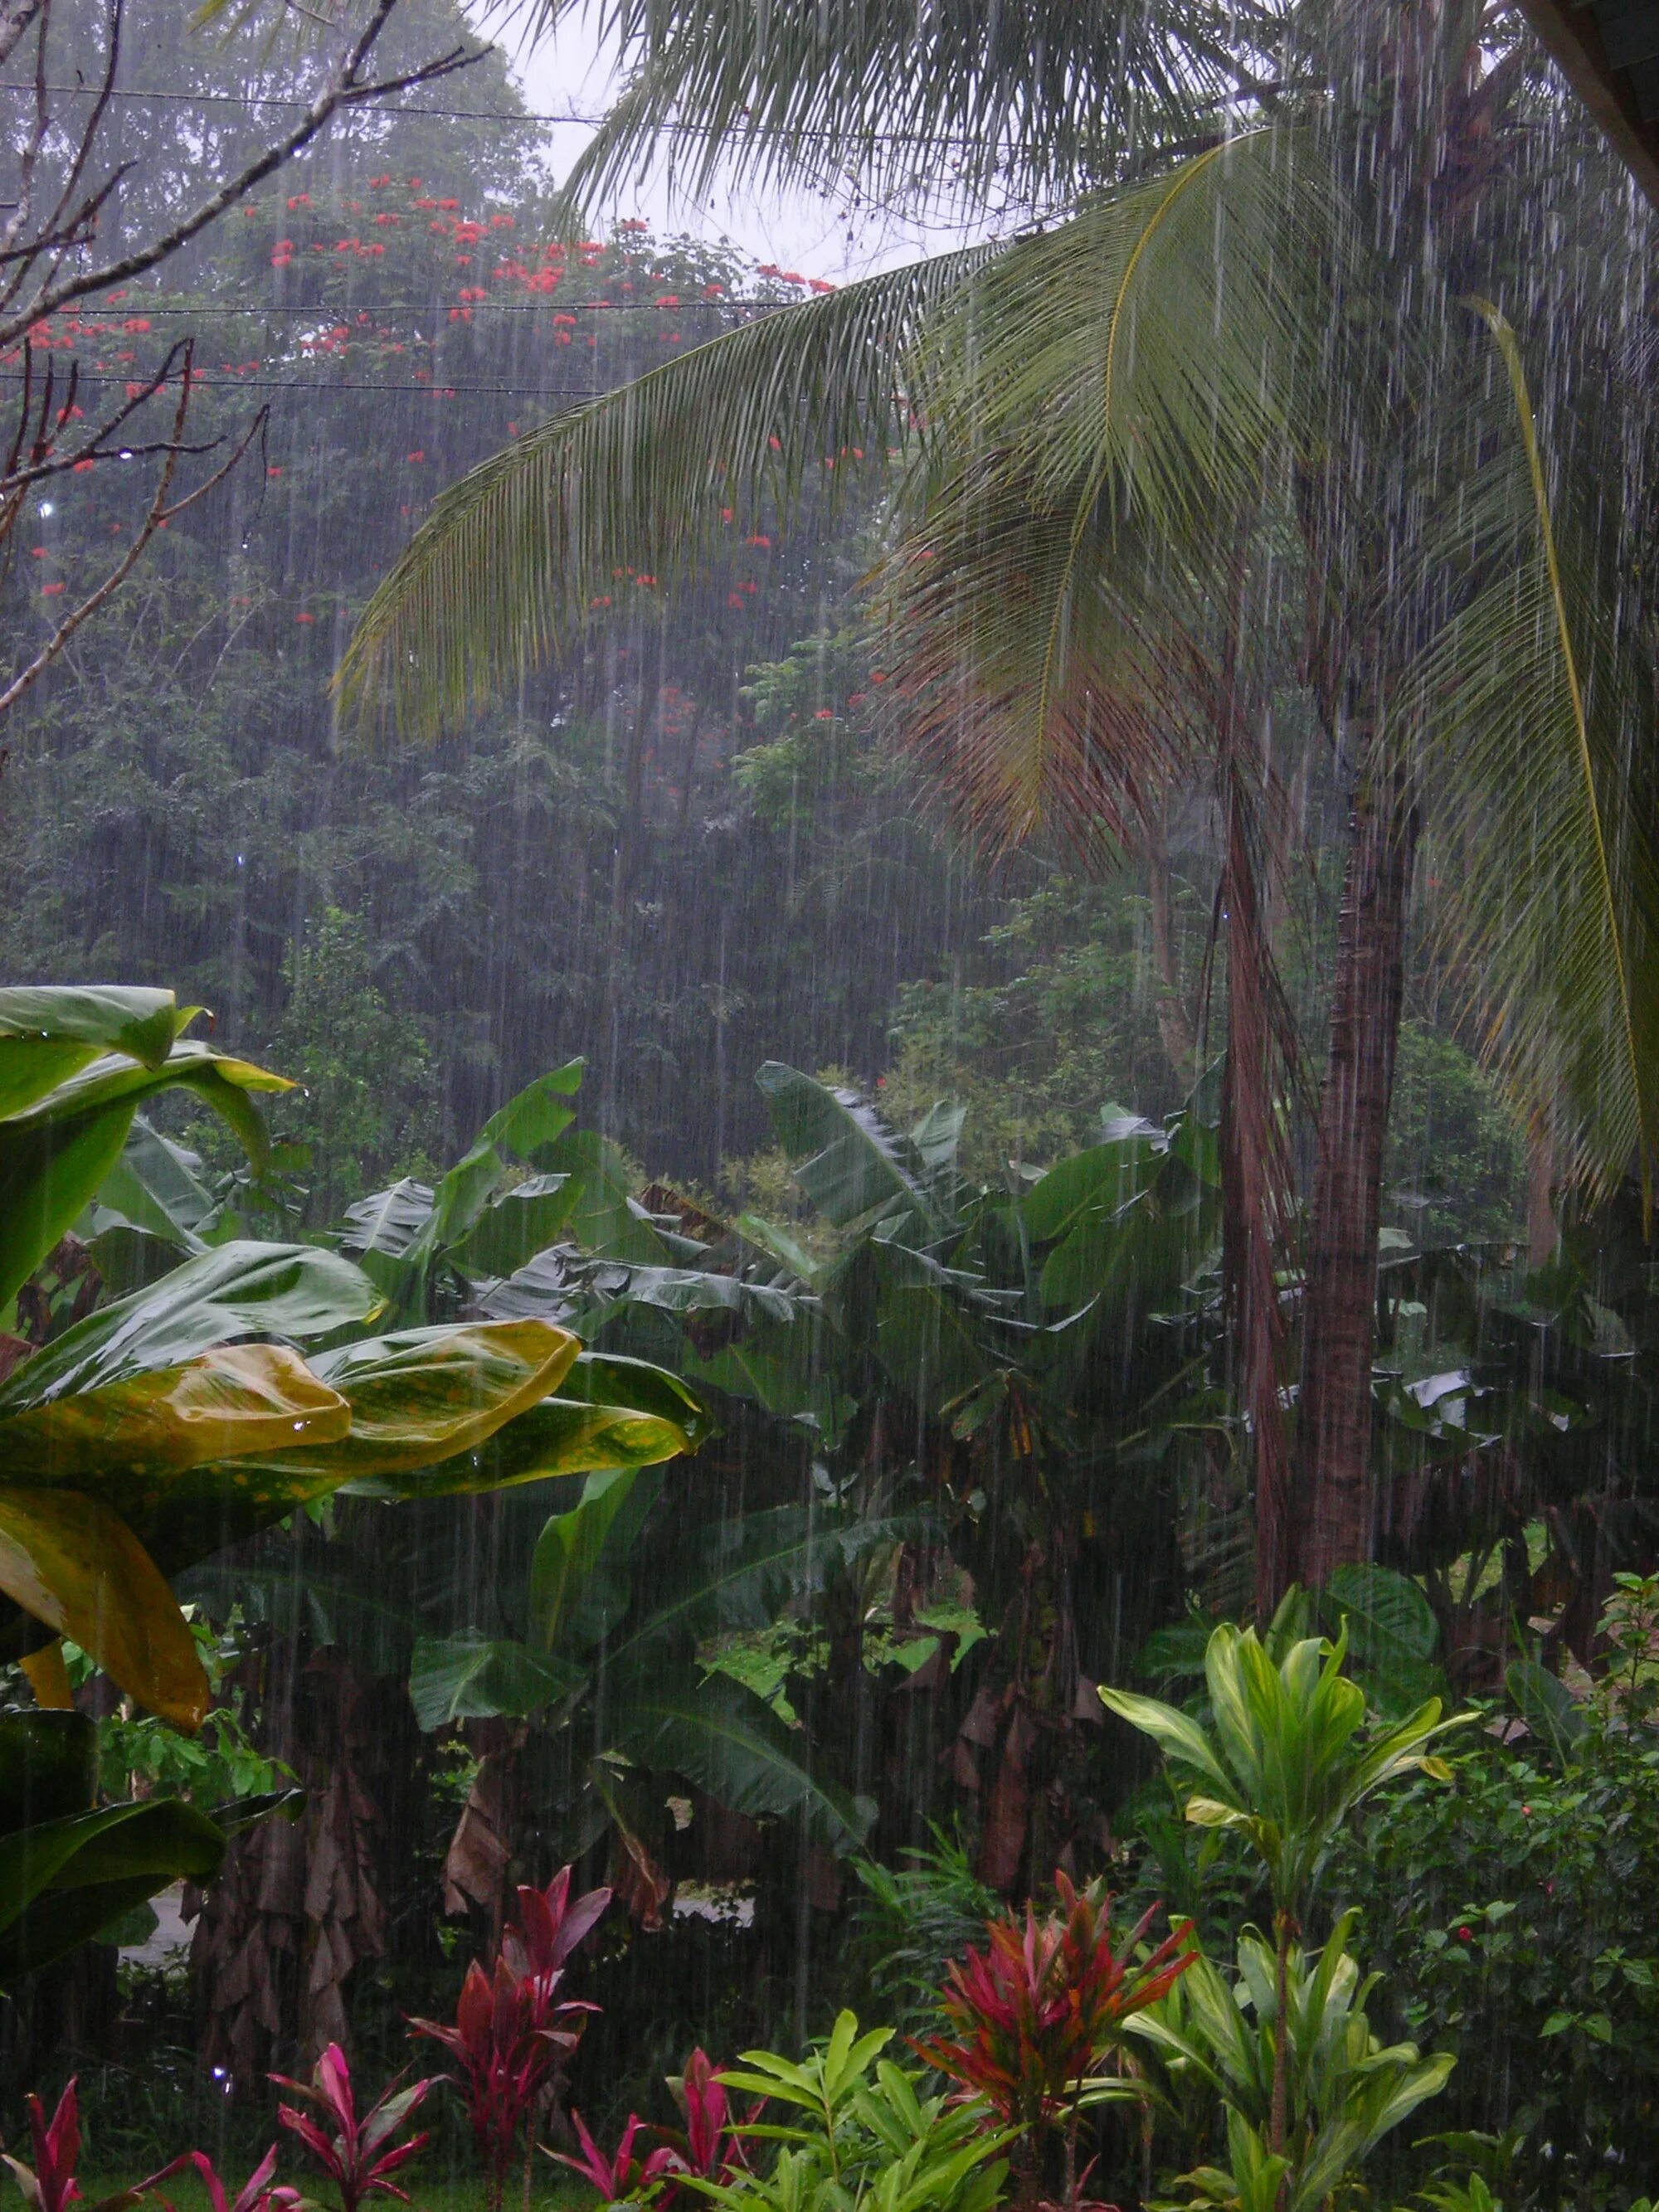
77, 1567
472, 1677
606, 1218
47, 1032
388, 1221
1392, 1632
517, 1223
55, 1154
610, 1414
241, 1289
848, 1162
732, 1744
568, 1555
234, 1400
155, 1186
423, 1395
538, 1115
61, 1881
1098, 1180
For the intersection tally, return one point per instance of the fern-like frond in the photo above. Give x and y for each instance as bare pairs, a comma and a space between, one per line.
501, 576
1106, 403
1035, 98
1538, 717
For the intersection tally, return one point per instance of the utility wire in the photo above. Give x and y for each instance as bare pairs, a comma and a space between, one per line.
433, 391
530, 121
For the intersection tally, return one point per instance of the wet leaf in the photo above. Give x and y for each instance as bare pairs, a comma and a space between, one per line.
61, 1881
241, 1289
74, 1565
225, 1404
472, 1677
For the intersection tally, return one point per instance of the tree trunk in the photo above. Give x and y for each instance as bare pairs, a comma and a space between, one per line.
1333, 1506
1254, 1181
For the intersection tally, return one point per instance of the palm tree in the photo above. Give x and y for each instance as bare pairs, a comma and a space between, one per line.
1243, 370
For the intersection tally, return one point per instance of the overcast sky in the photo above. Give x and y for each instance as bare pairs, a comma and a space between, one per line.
569, 74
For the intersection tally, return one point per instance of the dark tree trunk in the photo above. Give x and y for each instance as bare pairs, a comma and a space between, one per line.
1255, 1179
1334, 1513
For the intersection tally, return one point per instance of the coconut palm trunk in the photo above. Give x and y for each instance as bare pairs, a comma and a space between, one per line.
1335, 1514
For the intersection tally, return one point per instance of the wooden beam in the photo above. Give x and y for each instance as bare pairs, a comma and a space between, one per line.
1574, 40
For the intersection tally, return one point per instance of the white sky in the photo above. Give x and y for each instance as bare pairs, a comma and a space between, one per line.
818, 237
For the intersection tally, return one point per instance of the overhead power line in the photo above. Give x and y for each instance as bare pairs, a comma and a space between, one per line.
528, 121
433, 391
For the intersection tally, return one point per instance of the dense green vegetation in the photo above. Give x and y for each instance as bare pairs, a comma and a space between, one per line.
894, 1347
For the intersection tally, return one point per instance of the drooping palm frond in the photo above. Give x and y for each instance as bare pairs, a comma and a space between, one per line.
1539, 721
1105, 403
503, 574
1035, 98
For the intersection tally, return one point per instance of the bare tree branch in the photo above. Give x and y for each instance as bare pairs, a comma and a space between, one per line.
160, 515
346, 88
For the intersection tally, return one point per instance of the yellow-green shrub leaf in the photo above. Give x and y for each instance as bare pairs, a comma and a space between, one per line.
425, 1394
225, 1404
75, 1565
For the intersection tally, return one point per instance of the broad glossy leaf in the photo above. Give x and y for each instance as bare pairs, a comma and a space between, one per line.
606, 1219
539, 1115
1098, 1179
459, 1198
472, 1677
61, 1881
77, 1567
568, 1555
1548, 1707
388, 1221
228, 1403
548, 1285
848, 1162
695, 1290
55, 1155
517, 1223
424, 1395
1392, 1632
156, 1185
241, 1289
612, 1379
553, 1438
47, 1031
732, 1744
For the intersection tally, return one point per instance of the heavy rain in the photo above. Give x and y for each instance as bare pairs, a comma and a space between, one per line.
829, 1105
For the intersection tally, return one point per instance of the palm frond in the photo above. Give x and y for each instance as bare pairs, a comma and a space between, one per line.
1104, 402
502, 575
1538, 716
1038, 97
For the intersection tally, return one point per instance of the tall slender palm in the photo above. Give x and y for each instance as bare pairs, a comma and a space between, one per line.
1247, 367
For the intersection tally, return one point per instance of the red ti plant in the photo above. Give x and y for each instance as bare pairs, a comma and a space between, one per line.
707, 2147
1038, 2011
623, 2177
50, 2184
358, 2156
512, 2030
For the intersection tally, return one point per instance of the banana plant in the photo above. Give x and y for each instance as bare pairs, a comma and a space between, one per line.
75, 1065
152, 1432
613, 1626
